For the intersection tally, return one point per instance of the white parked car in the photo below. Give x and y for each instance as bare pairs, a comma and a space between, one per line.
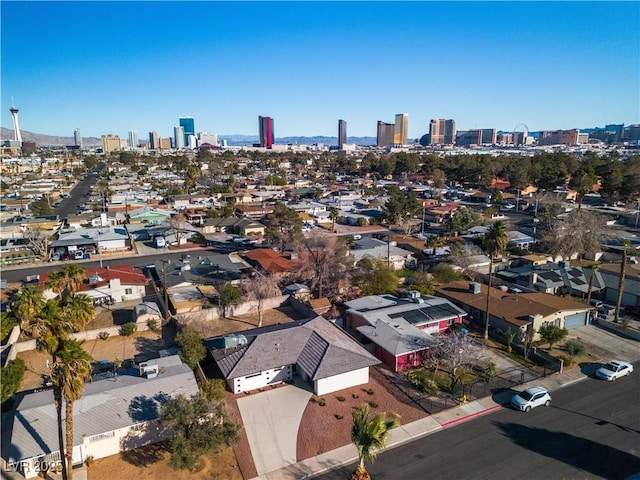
531, 398
614, 369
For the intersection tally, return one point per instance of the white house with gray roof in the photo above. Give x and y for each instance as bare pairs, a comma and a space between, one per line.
317, 350
397, 257
114, 414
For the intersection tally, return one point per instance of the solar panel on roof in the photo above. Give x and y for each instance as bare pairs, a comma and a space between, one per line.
579, 281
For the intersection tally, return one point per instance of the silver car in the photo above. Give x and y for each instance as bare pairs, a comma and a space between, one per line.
614, 369
531, 398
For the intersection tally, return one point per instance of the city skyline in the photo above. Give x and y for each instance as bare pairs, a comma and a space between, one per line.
486, 65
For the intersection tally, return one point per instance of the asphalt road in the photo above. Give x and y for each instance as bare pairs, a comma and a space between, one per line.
77, 196
591, 430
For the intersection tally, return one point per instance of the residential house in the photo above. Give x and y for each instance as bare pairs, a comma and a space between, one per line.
399, 331
91, 239
516, 311
150, 215
270, 261
114, 414
398, 258
235, 225
439, 213
316, 350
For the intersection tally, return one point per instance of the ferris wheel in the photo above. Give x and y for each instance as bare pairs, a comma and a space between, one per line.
522, 127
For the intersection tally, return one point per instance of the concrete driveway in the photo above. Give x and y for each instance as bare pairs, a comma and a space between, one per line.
271, 420
605, 344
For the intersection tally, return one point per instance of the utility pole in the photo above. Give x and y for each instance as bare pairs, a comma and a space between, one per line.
164, 286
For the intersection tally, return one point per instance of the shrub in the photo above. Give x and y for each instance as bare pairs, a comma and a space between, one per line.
152, 324
11, 378
626, 322
340, 399
575, 348
489, 370
373, 404
423, 382
322, 402
128, 329
369, 391
103, 335
213, 390
355, 395
552, 334
339, 417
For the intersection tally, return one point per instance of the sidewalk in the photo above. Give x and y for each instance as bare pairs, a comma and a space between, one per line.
420, 428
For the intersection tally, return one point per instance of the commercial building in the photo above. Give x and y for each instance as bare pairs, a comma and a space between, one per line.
342, 133
154, 143
266, 131
442, 132
401, 129
189, 125
178, 137
559, 137
133, 139
386, 133
110, 143
77, 138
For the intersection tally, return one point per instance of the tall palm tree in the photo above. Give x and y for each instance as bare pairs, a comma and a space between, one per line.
334, 213
27, 304
370, 435
57, 282
69, 374
623, 267
74, 275
495, 241
79, 310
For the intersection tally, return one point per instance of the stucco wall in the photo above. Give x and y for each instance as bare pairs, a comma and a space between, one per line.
261, 379
342, 381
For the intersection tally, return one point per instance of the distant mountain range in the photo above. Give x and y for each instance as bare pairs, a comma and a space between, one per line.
51, 140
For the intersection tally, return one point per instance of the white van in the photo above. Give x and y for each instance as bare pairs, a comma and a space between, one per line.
160, 242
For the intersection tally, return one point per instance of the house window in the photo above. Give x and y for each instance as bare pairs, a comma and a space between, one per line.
128, 291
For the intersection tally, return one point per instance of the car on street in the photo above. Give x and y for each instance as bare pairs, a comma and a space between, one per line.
532, 397
613, 370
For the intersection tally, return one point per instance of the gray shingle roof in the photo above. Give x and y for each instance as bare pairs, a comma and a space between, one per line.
318, 346
106, 405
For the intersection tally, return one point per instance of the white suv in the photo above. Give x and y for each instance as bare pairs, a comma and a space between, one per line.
531, 398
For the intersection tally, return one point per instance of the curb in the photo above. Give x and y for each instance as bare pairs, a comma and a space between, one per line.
471, 416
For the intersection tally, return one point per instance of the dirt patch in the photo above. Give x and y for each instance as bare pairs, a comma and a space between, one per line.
154, 465
241, 449
321, 430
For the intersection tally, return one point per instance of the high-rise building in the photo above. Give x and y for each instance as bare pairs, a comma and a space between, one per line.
558, 137
189, 125
401, 129
466, 138
489, 136
17, 136
266, 131
77, 138
178, 137
133, 139
385, 134
342, 133
210, 138
154, 144
442, 132
110, 143
165, 143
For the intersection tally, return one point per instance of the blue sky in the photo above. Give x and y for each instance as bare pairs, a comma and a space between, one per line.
111, 67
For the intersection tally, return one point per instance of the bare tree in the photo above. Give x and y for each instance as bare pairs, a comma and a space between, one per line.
260, 288
456, 351
578, 233
179, 224
462, 256
323, 260
38, 241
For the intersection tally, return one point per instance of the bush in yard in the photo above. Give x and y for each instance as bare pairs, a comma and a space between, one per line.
489, 370
127, 329
552, 334
339, 417
575, 348
373, 404
152, 324
322, 402
103, 335
340, 398
11, 378
192, 346
214, 390
369, 391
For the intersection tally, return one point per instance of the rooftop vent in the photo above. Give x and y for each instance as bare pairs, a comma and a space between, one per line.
474, 287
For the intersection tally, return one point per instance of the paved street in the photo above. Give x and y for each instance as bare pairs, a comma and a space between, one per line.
592, 430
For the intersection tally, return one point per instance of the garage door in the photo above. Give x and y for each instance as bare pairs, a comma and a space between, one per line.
576, 320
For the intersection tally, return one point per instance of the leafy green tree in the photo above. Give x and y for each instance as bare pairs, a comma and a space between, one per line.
11, 375
400, 206
229, 295
197, 426
552, 334
192, 346
370, 436
495, 241
41, 207
444, 273
462, 220
283, 226
373, 277
127, 330
69, 374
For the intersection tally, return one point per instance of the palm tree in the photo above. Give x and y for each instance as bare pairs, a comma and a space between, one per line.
370, 435
28, 303
495, 241
623, 267
74, 274
334, 213
57, 282
79, 310
69, 374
